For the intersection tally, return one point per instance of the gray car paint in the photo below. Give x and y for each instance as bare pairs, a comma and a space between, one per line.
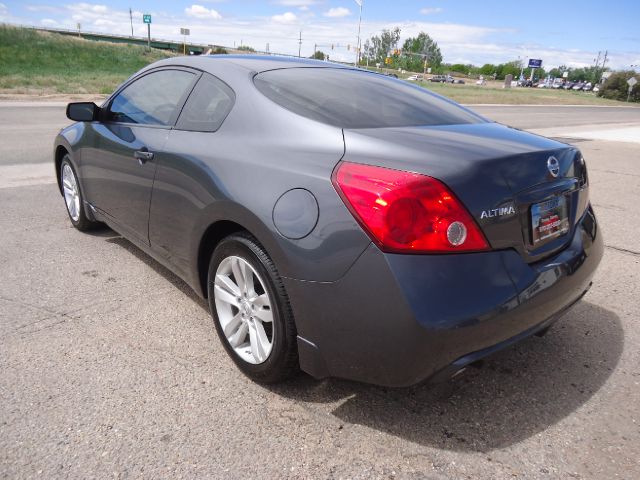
343, 289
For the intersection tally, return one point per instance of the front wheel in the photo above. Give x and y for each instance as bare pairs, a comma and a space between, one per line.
251, 310
73, 196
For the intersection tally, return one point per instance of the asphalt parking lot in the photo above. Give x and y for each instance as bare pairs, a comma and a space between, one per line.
110, 366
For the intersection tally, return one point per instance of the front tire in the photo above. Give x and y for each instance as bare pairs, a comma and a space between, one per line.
251, 310
73, 196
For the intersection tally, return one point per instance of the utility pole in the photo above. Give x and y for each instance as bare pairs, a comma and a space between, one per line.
596, 72
359, 2
426, 60
521, 69
299, 43
315, 50
131, 19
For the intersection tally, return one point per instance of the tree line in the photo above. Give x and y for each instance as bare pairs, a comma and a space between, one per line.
385, 49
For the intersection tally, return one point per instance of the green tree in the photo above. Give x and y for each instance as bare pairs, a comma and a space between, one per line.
459, 68
578, 75
559, 71
418, 49
617, 88
377, 47
487, 69
246, 48
510, 68
319, 55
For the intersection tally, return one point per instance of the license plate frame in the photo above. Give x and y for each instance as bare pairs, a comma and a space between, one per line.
549, 219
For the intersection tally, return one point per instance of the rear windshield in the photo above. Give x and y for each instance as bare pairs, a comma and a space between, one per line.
358, 99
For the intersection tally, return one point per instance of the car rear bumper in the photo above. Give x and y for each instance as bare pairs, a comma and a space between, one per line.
396, 320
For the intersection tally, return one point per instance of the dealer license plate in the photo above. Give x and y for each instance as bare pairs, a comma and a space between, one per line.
549, 219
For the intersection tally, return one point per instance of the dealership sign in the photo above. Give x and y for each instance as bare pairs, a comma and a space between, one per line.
535, 63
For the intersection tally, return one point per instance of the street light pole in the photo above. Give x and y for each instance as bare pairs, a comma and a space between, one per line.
359, 2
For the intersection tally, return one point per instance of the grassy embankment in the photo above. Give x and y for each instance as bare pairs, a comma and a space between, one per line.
40, 63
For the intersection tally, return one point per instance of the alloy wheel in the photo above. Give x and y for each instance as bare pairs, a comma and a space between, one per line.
71, 192
244, 309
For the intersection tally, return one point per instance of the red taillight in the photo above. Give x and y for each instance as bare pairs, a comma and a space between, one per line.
407, 212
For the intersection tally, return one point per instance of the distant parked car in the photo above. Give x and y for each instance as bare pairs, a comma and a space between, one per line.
415, 78
578, 86
438, 79
459, 81
587, 87
569, 85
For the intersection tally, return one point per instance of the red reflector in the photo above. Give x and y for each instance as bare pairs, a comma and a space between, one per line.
406, 212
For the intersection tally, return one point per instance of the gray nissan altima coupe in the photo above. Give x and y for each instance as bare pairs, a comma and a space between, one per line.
338, 221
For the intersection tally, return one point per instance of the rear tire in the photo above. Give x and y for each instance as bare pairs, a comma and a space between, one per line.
251, 310
74, 201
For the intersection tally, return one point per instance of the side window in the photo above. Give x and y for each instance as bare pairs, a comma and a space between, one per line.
151, 100
207, 107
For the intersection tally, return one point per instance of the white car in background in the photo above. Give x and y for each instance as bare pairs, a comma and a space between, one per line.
415, 78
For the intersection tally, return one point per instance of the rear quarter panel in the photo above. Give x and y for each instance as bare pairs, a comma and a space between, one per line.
238, 173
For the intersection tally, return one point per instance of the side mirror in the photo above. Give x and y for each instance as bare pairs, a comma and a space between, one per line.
82, 111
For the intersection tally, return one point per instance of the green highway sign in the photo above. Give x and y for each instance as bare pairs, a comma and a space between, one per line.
146, 18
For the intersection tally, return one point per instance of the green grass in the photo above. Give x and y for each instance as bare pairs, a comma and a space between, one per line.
45, 63
492, 92
474, 94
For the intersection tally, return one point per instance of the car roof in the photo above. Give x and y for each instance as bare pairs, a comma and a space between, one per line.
255, 63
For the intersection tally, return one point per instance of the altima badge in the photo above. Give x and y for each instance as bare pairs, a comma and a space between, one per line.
553, 166
498, 212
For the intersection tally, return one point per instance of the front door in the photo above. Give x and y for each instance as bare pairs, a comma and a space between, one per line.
118, 177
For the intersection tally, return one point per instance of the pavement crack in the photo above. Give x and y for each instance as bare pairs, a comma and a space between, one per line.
29, 305
624, 250
615, 173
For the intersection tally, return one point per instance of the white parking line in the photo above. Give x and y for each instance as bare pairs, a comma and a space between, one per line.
27, 175
610, 132
630, 134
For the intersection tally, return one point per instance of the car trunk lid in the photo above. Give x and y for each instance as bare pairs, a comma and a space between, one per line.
502, 175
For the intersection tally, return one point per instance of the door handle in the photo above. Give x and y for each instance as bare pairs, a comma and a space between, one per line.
143, 156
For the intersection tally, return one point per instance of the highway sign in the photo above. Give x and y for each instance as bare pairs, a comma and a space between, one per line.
535, 63
146, 18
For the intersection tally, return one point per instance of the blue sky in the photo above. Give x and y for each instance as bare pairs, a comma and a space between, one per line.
468, 31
